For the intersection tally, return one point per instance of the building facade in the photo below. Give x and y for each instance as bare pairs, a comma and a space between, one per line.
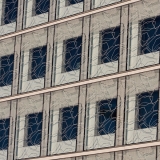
79, 79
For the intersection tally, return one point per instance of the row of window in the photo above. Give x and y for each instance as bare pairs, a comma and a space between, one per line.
72, 49
106, 115
40, 7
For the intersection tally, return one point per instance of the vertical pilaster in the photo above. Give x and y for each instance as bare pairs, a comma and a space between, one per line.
20, 15
121, 81
14, 103
83, 89
12, 130
48, 80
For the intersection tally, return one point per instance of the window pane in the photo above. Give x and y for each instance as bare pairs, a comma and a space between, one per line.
4, 133
11, 7
73, 54
107, 116
69, 123
42, 6
38, 67
110, 45
6, 70
34, 129
148, 109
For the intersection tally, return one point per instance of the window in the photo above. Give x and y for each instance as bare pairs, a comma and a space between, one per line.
69, 122
38, 62
71, 2
6, 70
107, 116
147, 109
34, 128
4, 133
42, 6
109, 44
73, 49
150, 40
10, 11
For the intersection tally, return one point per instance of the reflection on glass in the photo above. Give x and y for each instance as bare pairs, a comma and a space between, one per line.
69, 123
6, 70
4, 133
107, 116
148, 109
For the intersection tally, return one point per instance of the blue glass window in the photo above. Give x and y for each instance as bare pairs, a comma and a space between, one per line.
150, 40
110, 43
107, 110
38, 65
34, 131
42, 6
73, 49
71, 2
4, 133
148, 109
69, 123
11, 8
6, 70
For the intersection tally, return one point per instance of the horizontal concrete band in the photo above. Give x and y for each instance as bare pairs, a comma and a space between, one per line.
69, 18
80, 83
100, 151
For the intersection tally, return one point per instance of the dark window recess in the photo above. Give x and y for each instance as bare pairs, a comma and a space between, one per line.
6, 70
69, 123
110, 43
107, 110
4, 133
34, 129
38, 66
73, 49
71, 2
10, 12
150, 39
148, 109
42, 6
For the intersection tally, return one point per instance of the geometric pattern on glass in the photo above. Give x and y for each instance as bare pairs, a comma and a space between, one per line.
10, 12
110, 44
6, 70
71, 2
68, 123
106, 116
38, 62
150, 39
34, 128
147, 109
72, 50
4, 133
41, 6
